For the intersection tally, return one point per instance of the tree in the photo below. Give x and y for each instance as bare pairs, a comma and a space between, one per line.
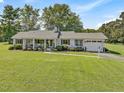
1, 33
89, 30
114, 30
122, 15
9, 24
62, 17
29, 17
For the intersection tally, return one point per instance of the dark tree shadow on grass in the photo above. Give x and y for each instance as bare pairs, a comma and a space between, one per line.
112, 52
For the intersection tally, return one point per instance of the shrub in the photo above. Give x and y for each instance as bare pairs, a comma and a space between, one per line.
11, 48
79, 49
16, 47
65, 47
55, 50
59, 48
71, 49
62, 47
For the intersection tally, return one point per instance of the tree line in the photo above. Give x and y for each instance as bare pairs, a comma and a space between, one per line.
15, 20
58, 16
114, 30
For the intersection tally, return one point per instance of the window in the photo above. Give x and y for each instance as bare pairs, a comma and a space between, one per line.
67, 42
19, 41
38, 41
78, 42
29, 41
50, 42
99, 41
94, 41
88, 41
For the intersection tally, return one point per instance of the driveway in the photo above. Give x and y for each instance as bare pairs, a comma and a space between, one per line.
112, 56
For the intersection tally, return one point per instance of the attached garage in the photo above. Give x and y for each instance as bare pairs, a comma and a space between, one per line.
94, 45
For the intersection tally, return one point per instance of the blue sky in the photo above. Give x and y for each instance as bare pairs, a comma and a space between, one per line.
93, 13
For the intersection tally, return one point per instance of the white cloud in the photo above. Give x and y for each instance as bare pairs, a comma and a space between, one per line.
108, 18
98, 25
121, 11
30, 1
40, 12
106, 21
90, 6
1, 1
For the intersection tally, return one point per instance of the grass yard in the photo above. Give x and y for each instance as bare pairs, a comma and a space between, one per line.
37, 71
118, 48
77, 53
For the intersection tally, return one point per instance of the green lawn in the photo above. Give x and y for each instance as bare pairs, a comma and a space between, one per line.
119, 48
77, 53
37, 71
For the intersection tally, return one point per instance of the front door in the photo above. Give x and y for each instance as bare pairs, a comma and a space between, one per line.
50, 43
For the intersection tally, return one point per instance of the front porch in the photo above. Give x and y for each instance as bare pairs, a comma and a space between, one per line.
35, 44
47, 44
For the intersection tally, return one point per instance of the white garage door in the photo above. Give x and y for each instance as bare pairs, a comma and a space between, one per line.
94, 46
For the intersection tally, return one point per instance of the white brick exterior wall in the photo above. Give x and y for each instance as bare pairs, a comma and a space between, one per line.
90, 46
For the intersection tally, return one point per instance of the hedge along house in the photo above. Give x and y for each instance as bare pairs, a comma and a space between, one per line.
51, 39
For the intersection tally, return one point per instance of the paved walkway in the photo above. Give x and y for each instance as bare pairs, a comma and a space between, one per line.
112, 56
65, 54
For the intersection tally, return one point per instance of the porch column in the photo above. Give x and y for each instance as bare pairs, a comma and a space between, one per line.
55, 43
45, 44
83, 43
58, 42
72, 43
103, 49
33, 44
24, 44
14, 42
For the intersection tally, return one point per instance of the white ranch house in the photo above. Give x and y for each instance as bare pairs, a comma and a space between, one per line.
51, 39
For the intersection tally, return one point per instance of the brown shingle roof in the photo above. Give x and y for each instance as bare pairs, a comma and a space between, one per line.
74, 35
36, 35
53, 35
